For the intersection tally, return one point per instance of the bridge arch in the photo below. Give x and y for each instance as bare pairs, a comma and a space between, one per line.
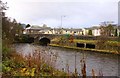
44, 41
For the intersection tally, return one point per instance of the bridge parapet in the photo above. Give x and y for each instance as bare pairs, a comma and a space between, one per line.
51, 36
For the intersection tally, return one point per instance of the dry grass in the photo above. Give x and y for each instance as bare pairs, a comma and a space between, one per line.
34, 64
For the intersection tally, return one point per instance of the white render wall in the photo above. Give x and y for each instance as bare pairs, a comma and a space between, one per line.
96, 32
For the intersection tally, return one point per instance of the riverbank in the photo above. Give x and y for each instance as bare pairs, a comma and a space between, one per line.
85, 49
65, 59
16, 64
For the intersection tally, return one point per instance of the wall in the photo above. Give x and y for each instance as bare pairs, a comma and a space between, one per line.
96, 32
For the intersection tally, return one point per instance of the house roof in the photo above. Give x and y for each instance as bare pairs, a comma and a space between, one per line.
67, 29
95, 27
38, 28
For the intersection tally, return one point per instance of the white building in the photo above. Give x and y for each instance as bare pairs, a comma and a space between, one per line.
72, 31
38, 30
85, 31
96, 31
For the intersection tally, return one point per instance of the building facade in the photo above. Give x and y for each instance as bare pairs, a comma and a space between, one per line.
92, 31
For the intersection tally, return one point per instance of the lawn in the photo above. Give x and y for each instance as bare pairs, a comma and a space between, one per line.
115, 43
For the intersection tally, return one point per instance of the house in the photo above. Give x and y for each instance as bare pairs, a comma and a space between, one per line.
93, 31
116, 28
76, 31
118, 31
96, 31
57, 30
66, 31
85, 31
37, 30
71, 31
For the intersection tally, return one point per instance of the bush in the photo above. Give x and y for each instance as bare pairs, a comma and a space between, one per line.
24, 39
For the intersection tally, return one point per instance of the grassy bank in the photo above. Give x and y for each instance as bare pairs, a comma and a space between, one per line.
85, 49
104, 46
95, 41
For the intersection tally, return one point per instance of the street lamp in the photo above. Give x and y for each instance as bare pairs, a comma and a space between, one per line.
62, 19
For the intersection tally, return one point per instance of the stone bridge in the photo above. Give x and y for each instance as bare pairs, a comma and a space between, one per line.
40, 36
46, 38
51, 36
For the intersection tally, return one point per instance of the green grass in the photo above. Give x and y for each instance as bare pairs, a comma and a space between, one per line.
85, 49
85, 41
89, 41
114, 43
111, 45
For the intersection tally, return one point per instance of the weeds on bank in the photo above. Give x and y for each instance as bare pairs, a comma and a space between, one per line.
39, 63
29, 65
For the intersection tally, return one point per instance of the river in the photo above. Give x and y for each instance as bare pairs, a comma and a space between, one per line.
107, 64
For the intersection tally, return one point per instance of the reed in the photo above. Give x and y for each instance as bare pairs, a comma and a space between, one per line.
33, 64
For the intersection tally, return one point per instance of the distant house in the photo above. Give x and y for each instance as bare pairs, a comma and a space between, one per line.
115, 27
113, 30
118, 31
37, 30
67, 31
85, 31
72, 31
57, 30
77, 31
96, 31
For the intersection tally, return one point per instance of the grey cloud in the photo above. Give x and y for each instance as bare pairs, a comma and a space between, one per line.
78, 14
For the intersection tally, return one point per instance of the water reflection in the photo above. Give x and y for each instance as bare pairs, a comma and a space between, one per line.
106, 64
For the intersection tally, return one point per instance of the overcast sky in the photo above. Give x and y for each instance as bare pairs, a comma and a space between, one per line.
78, 13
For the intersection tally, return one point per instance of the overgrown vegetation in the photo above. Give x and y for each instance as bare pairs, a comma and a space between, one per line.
29, 65
24, 39
107, 30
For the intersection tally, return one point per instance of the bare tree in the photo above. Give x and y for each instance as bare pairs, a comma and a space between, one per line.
106, 31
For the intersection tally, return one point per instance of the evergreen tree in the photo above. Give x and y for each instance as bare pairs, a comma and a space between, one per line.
116, 34
90, 32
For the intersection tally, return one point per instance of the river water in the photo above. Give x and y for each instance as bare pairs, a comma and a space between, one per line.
106, 64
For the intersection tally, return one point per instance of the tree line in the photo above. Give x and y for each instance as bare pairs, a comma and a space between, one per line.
10, 27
